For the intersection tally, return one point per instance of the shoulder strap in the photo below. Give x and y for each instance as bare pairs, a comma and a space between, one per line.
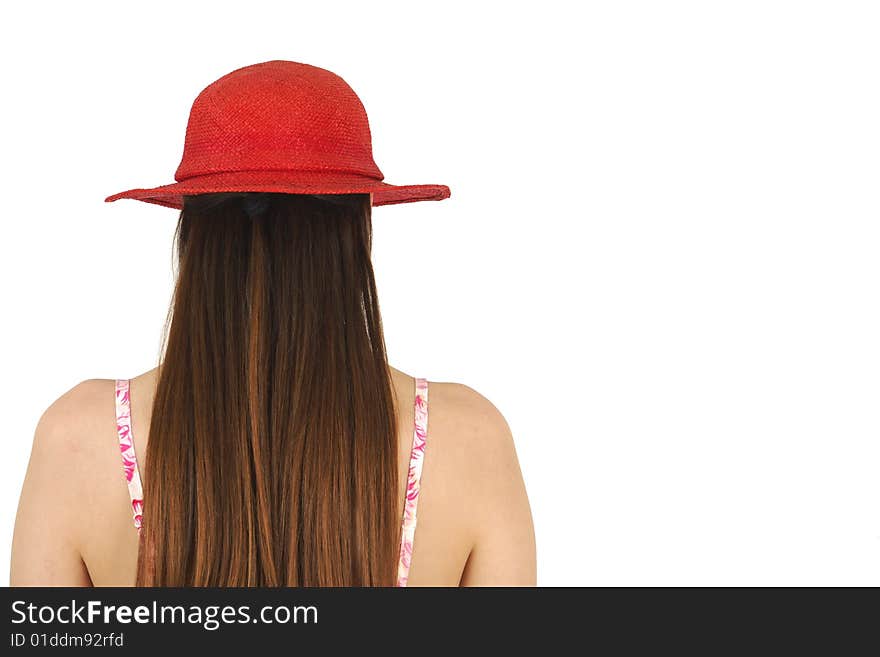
413, 484
126, 446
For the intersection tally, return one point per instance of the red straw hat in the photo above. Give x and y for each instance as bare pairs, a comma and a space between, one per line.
280, 126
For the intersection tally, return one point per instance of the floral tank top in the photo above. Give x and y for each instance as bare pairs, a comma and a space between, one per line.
413, 483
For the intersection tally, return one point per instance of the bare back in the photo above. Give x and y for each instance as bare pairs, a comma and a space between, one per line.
469, 456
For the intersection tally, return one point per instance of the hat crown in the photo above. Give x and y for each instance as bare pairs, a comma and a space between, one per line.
277, 115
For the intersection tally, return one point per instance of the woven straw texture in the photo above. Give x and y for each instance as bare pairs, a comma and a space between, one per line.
279, 126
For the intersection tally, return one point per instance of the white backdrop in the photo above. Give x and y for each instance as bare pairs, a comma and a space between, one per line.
659, 259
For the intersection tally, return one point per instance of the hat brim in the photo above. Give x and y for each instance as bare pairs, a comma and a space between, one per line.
285, 182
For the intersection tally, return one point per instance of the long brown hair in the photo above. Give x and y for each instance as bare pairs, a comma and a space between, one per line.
272, 454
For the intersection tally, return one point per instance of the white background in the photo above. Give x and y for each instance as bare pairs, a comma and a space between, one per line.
659, 259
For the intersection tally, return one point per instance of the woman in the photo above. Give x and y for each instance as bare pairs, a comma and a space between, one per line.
274, 445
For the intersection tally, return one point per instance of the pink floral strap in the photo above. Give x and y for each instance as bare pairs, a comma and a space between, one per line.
413, 484
126, 446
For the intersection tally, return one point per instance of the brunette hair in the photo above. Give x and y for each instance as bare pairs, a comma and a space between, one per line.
272, 454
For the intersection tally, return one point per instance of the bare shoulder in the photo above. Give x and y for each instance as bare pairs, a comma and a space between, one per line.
75, 441
472, 439
65, 485
476, 447
74, 420
469, 420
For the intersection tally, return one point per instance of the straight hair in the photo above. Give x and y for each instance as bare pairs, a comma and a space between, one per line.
272, 453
